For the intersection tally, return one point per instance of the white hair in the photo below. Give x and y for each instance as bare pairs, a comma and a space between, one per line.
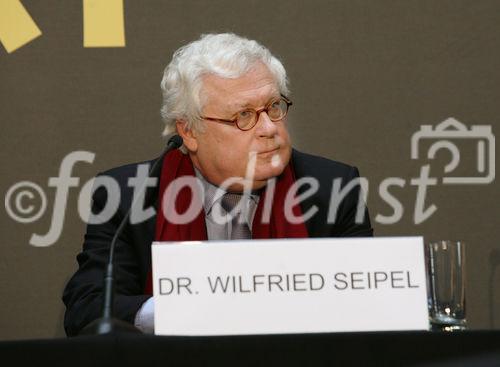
226, 55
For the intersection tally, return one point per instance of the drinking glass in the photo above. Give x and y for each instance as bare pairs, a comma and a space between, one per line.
446, 284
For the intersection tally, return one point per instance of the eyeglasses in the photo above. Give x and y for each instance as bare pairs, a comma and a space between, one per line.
247, 119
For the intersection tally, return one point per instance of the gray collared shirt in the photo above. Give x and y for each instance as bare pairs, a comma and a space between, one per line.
211, 203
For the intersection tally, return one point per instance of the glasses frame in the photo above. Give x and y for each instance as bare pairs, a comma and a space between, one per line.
234, 121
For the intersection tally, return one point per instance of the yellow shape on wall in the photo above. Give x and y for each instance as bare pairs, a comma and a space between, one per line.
17, 28
103, 23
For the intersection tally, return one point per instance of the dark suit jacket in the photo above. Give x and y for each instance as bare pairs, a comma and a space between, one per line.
83, 293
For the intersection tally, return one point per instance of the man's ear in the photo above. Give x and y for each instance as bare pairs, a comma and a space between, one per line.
188, 136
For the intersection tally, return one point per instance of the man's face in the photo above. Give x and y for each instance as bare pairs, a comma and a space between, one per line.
222, 150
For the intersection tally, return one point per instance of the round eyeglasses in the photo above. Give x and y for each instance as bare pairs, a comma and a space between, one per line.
247, 119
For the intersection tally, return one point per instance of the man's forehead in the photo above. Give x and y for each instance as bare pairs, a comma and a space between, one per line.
256, 98
252, 89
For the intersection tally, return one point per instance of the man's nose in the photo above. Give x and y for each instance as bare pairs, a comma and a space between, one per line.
265, 127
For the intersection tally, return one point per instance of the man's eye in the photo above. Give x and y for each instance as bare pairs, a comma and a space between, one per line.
245, 114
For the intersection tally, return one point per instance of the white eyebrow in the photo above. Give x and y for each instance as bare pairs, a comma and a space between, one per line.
239, 107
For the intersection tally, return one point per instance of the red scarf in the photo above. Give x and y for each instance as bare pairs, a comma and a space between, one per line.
176, 164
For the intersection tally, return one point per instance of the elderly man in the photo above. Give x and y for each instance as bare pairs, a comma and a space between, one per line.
227, 97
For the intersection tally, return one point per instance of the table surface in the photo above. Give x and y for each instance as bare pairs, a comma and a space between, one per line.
468, 348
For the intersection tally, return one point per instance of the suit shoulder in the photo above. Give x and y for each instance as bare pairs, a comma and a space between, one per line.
120, 175
312, 165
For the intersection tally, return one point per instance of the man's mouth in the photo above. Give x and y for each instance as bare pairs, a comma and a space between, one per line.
270, 151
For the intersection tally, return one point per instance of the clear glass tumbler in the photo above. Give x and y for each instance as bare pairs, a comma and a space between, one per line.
446, 271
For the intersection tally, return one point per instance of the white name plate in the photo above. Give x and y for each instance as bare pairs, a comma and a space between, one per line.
289, 286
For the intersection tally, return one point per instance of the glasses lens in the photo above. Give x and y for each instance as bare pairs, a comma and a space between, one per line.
277, 110
246, 119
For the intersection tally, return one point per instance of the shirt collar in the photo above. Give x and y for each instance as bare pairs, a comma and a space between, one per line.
212, 191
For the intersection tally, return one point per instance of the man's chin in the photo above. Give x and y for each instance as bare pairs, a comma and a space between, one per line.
264, 170
259, 180
268, 172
